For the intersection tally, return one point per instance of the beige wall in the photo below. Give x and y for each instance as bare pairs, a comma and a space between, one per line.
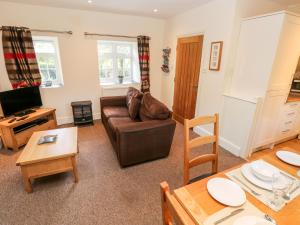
78, 53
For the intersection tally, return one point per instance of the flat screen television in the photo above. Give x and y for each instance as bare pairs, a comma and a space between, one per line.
19, 100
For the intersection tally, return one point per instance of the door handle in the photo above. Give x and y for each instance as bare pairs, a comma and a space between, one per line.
195, 86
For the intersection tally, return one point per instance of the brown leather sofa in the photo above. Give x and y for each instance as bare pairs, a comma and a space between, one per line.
135, 141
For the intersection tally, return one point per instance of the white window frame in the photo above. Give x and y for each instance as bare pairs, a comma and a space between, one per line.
59, 80
135, 70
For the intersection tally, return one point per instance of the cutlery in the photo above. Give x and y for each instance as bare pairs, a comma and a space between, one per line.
288, 176
233, 213
295, 189
247, 186
269, 218
287, 196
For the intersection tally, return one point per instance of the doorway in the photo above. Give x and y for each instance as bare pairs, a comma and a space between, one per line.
188, 59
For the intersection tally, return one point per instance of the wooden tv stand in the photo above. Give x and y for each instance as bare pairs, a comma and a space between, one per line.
16, 134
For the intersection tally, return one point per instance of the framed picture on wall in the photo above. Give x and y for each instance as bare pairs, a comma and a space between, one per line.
215, 55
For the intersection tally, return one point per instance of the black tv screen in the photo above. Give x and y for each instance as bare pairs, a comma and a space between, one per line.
20, 99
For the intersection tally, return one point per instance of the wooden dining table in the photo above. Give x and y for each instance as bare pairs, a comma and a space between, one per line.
198, 203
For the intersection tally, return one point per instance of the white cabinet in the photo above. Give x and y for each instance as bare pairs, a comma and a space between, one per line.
267, 56
268, 121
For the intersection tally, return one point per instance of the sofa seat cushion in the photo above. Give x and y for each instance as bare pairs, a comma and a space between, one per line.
114, 122
115, 111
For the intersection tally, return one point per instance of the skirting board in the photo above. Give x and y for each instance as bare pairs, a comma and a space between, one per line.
224, 143
69, 119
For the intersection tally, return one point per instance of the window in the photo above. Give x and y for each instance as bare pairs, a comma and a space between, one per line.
118, 62
47, 53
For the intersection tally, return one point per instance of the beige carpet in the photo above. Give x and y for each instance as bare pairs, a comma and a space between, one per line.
105, 194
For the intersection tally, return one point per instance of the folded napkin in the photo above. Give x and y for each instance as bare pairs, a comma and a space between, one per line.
249, 210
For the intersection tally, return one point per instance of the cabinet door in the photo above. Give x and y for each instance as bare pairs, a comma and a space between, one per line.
287, 55
256, 52
269, 119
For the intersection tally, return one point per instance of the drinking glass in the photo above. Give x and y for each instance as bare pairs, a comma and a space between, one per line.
290, 185
279, 189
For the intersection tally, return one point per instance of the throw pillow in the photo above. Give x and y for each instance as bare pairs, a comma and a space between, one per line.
152, 109
134, 106
131, 92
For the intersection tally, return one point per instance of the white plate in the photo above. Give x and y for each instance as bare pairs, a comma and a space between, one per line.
251, 220
264, 171
247, 173
226, 191
289, 157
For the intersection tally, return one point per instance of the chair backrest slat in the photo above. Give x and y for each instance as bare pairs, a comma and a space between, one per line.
201, 121
201, 159
201, 141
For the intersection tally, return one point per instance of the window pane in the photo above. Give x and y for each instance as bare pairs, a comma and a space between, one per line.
106, 68
124, 67
44, 74
44, 47
52, 74
105, 48
123, 49
117, 58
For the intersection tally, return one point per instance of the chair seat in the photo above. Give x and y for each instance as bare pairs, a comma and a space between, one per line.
201, 177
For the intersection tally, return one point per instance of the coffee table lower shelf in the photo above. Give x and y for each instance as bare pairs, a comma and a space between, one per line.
48, 167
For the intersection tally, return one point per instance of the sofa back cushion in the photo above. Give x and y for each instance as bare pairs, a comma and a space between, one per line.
152, 109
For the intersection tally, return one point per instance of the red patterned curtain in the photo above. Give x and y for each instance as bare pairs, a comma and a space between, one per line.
20, 58
144, 57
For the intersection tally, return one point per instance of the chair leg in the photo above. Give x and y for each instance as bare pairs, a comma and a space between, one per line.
186, 175
215, 166
166, 216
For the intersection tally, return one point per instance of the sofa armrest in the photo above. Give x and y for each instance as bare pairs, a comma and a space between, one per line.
113, 101
143, 141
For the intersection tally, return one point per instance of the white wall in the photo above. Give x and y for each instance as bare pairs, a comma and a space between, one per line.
217, 20
79, 53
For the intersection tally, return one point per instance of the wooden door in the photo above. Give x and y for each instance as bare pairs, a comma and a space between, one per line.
188, 59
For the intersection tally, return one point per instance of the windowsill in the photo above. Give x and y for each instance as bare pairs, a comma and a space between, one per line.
52, 86
118, 86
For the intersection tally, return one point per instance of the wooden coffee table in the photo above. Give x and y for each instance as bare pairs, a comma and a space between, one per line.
46, 159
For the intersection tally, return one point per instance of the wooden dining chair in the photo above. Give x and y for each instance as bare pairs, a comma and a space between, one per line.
189, 144
172, 211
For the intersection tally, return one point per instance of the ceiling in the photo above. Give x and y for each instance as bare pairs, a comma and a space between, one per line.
166, 8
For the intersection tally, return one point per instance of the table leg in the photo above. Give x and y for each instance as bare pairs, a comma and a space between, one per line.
75, 171
26, 181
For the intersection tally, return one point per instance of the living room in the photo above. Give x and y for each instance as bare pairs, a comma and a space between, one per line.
111, 171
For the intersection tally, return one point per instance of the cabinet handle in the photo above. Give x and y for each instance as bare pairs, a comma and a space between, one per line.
284, 131
288, 122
